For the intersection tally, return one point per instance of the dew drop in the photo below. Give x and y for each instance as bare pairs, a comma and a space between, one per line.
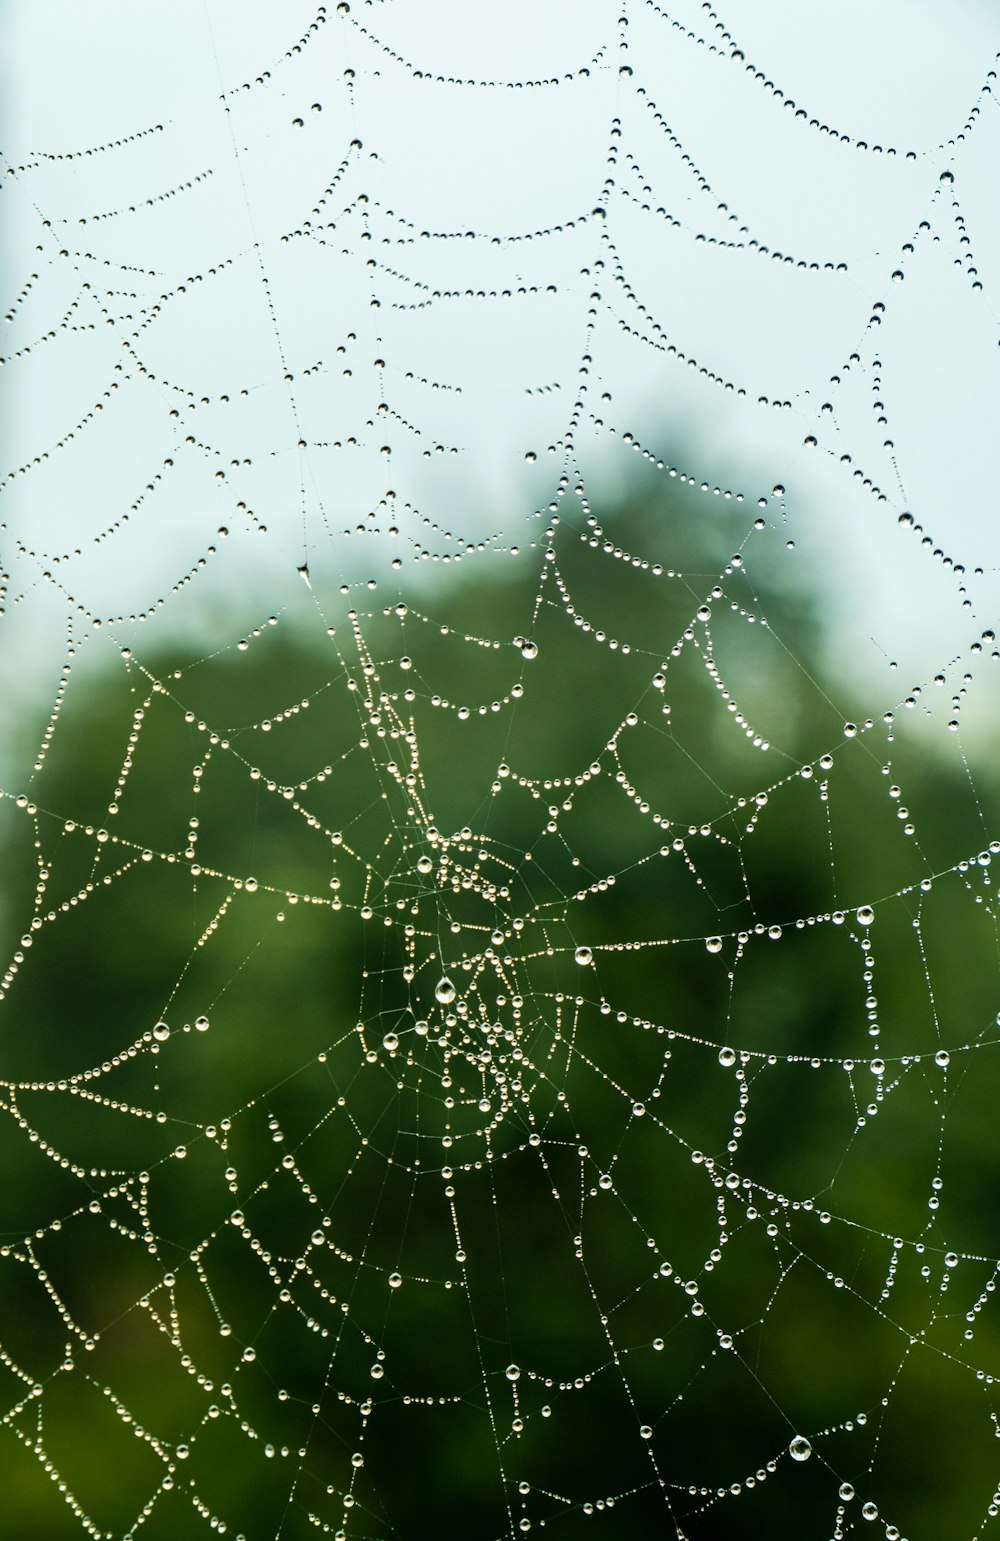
942, 1058
395, 1280
390, 1042
866, 915
201, 1023
846, 1491
583, 956
513, 1372
800, 1449
727, 1057
161, 1032
444, 991
713, 943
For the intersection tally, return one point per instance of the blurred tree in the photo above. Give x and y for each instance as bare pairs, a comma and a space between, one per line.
299, 1240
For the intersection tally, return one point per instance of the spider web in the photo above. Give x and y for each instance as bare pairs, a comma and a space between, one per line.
500, 985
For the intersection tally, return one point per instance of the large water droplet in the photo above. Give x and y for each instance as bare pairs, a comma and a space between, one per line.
444, 991
713, 943
583, 956
800, 1449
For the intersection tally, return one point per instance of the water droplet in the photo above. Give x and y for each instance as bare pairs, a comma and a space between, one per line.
583, 956
529, 649
395, 1280
800, 1449
390, 1042
727, 1057
866, 915
250, 885
898, 276
513, 1372
201, 1023
942, 1058
869, 1511
713, 943
846, 1491
850, 729
444, 991
161, 1032
425, 865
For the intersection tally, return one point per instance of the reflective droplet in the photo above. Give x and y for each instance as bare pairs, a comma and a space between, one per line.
583, 956
425, 865
713, 943
869, 1511
866, 915
850, 729
727, 1057
444, 991
941, 1058
513, 1372
390, 1042
529, 649
201, 1023
395, 1280
161, 1032
800, 1449
847, 1491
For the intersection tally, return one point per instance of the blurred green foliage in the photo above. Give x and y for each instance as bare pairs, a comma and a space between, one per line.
151, 1336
